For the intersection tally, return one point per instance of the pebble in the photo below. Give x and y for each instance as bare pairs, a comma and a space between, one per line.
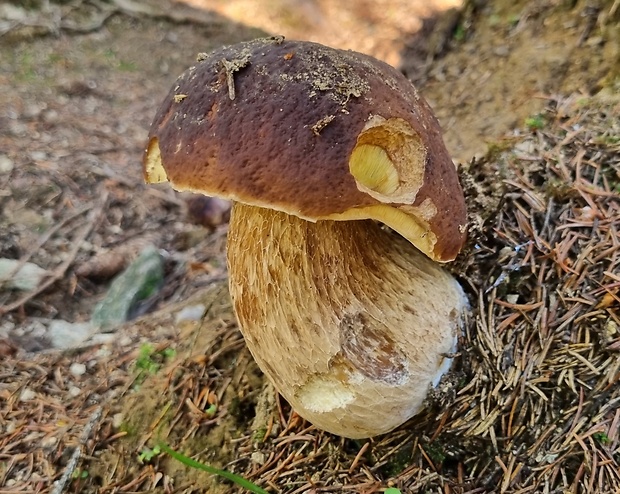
125, 341
27, 278
6, 164
77, 369
190, 313
104, 351
18, 129
27, 395
258, 457
74, 391
30, 329
6, 328
103, 338
50, 116
38, 155
63, 334
502, 51
117, 420
33, 110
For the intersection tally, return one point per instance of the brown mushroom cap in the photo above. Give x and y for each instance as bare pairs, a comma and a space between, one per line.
314, 132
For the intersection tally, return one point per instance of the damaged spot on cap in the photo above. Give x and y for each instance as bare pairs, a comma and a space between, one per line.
154, 171
388, 160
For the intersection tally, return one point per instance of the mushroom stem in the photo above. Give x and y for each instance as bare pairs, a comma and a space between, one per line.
349, 321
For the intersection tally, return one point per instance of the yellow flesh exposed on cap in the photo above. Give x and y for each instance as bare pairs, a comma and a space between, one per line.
372, 168
153, 167
413, 229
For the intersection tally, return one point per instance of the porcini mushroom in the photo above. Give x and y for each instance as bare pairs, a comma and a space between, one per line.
318, 148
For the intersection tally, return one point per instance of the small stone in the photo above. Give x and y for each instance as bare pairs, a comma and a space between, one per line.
63, 334
12, 12
77, 369
104, 351
103, 338
27, 395
38, 155
512, 298
32, 110
50, 116
27, 278
74, 391
141, 280
18, 129
117, 420
33, 329
502, 51
190, 313
6, 328
125, 341
258, 457
6, 164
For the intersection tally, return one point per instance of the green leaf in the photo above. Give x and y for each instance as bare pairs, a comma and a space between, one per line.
536, 122
148, 454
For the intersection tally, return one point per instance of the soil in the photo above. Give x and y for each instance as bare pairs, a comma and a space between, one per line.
79, 85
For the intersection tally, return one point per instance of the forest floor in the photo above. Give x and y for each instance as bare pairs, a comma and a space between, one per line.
528, 96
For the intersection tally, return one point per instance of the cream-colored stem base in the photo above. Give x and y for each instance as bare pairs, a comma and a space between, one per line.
349, 321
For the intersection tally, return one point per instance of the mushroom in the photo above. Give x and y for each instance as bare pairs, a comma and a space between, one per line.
320, 149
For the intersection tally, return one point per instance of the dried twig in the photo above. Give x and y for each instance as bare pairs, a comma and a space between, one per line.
45, 237
60, 271
60, 484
